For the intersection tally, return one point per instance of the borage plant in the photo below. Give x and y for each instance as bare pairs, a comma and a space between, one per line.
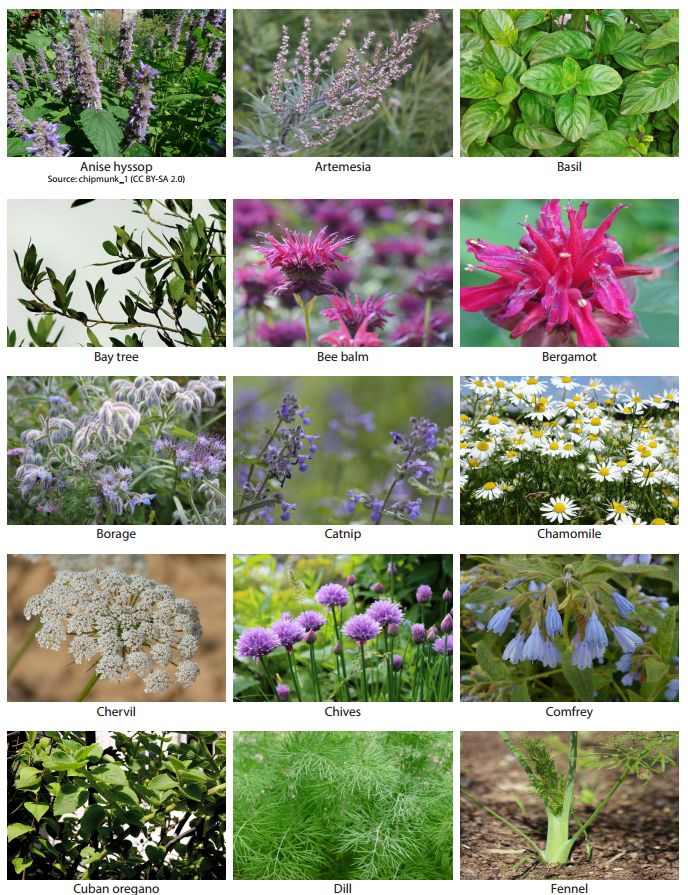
92, 805
77, 86
537, 451
625, 755
567, 628
562, 83
99, 451
181, 299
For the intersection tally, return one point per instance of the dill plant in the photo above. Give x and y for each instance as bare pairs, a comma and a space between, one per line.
343, 805
626, 755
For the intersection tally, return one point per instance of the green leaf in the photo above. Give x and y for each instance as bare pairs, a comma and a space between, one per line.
495, 668
663, 638
70, 797
581, 682
111, 248
530, 19
559, 44
536, 108
15, 830
650, 91
92, 338
573, 116
124, 268
510, 89
666, 34
629, 53
547, 78
27, 777
110, 774
500, 26
502, 61
479, 120
102, 130
608, 27
92, 819
476, 84
607, 143
655, 671
536, 137
571, 70
20, 864
37, 809
162, 782
598, 79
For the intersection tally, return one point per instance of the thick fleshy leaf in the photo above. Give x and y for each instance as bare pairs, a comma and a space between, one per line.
596, 80
547, 78
500, 26
559, 44
573, 116
650, 91
479, 121
536, 137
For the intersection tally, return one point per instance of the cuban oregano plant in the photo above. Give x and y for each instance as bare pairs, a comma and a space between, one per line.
626, 755
145, 808
343, 805
178, 290
569, 83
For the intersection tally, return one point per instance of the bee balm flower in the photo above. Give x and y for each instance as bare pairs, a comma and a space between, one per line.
561, 286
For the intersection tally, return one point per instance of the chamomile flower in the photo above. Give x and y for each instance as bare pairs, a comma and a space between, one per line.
637, 403
618, 509
592, 442
483, 449
597, 424
493, 425
605, 472
551, 449
559, 509
565, 382
647, 475
511, 456
531, 385
490, 491
477, 385
671, 396
571, 405
542, 408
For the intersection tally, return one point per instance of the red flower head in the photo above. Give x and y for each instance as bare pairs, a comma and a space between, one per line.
355, 320
303, 260
562, 286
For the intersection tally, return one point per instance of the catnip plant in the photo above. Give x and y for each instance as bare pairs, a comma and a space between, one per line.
97, 450
554, 449
625, 755
96, 805
570, 628
359, 641
173, 284
601, 82
315, 95
79, 84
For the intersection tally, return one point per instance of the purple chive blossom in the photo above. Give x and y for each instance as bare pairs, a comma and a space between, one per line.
282, 691
351, 580
141, 105
534, 648
626, 639
15, 116
447, 596
288, 632
444, 645
332, 595
85, 75
125, 53
418, 633
623, 606
424, 593
378, 588
45, 141
595, 635
177, 30
255, 643
431, 635
385, 613
553, 622
63, 72
500, 620
361, 629
447, 624
397, 662
311, 620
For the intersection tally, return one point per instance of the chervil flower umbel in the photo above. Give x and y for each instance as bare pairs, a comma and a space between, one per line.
561, 286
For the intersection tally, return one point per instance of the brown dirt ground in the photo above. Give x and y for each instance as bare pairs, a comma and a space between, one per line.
635, 837
45, 676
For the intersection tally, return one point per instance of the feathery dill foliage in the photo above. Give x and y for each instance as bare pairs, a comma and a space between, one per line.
542, 772
343, 805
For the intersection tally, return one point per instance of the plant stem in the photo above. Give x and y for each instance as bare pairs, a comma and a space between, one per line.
307, 323
294, 676
426, 322
269, 676
314, 674
89, 686
363, 672
339, 641
516, 829
388, 660
23, 648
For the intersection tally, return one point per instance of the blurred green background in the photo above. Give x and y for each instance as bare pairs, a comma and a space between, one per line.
641, 230
415, 118
353, 416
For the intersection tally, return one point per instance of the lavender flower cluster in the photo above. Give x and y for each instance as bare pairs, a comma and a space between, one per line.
134, 625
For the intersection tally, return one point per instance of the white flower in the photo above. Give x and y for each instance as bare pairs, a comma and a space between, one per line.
618, 509
559, 509
493, 425
648, 475
490, 491
552, 449
564, 382
603, 472
481, 450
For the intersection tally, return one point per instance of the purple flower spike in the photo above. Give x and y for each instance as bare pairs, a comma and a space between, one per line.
85, 75
288, 632
361, 629
332, 595
15, 116
44, 140
397, 662
125, 54
141, 105
255, 643
385, 613
63, 72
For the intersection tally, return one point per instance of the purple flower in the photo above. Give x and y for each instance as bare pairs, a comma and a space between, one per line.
595, 635
671, 691
534, 647
397, 662
447, 623
385, 613
418, 632
350, 580
623, 606
444, 645
352, 313
431, 635
423, 593
282, 691
177, 30
42, 62
85, 75
126, 53
553, 622
626, 639
288, 632
44, 140
62, 70
141, 105
447, 596
551, 655
282, 333
361, 629
15, 116
287, 510
582, 655
311, 620
19, 67
378, 588
254, 643
500, 620
332, 595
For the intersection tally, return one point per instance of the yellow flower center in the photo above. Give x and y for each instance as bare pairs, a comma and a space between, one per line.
493, 420
483, 445
595, 421
567, 447
512, 453
554, 445
490, 486
559, 507
500, 383
619, 508
603, 470
670, 397
532, 380
658, 522
566, 379
473, 463
622, 463
593, 437
538, 433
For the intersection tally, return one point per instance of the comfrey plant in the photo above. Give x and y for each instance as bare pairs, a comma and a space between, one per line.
626, 755
79, 448
376, 654
143, 92
178, 290
310, 100
596, 623
562, 285
125, 625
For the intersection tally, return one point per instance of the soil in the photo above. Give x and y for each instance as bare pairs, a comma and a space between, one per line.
46, 676
634, 838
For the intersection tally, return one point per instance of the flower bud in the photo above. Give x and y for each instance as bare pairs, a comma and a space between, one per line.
447, 624
350, 580
392, 630
418, 632
378, 588
424, 593
431, 636
397, 662
337, 649
282, 692
447, 596
311, 636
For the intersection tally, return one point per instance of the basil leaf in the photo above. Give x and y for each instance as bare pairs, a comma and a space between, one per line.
559, 44
536, 108
510, 89
479, 120
608, 27
536, 137
607, 143
629, 53
530, 18
650, 91
598, 79
666, 34
500, 26
547, 78
572, 115
476, 84
502, 61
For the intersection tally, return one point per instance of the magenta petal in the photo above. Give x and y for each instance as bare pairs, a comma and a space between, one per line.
608, 293
615, 327
525, 290
588, 332
478, 298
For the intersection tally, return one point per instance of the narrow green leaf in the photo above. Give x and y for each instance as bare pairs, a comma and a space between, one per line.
111, 248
